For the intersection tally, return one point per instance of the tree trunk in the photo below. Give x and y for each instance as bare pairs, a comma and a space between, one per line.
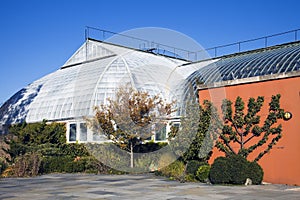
242, 140
131, 155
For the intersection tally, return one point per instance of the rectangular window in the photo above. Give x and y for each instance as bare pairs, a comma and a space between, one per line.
72, 134
160, 135
83, 132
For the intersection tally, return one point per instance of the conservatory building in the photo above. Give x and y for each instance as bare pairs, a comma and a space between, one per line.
97, 69
88, 79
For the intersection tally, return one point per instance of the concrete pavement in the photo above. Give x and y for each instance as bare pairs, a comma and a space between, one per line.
83, 186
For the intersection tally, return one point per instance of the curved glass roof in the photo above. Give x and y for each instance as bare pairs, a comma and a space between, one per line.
273, 60
88, 78
97, 69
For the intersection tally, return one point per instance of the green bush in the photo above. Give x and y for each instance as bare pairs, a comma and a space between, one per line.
175, 170
255, 172
67, 164
75, 166
91, 165
40, 148
238, 167
71, 158
35, 137
203, 173
190, 178
74, 149
51, 164
50, 150
234, 170
193, 165
219, 171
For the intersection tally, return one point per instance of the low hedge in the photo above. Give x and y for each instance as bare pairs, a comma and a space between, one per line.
52, 164
67, 164
175, 170
235, 170
203, 173
255, 172
193, 165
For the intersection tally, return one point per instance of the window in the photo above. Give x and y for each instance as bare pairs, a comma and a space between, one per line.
160, 135
176, 125
83, 132
72, 135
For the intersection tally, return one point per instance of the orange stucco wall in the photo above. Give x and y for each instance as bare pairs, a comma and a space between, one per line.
282, 164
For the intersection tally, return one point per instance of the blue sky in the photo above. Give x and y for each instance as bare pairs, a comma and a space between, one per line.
38, 36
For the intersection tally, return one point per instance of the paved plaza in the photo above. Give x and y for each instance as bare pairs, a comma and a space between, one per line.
82, 186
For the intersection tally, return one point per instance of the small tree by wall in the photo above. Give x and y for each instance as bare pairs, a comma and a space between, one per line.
132, 117
242, 126
199, 127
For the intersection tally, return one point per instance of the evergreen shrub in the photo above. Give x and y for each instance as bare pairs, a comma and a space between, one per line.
255, 172
234, 169
193, 165
175, 170
203, 173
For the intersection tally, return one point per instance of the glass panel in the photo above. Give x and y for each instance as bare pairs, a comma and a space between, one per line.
161, 134
83, 132
72, 136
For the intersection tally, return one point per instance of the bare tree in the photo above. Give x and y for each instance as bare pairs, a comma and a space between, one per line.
131, 117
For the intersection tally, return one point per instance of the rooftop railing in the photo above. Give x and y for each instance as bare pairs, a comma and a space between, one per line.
192, 56
139, 43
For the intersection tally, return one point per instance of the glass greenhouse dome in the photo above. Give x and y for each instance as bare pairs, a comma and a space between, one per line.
95, 71
87, 79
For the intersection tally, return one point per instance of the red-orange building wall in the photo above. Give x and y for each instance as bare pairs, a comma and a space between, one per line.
282, 164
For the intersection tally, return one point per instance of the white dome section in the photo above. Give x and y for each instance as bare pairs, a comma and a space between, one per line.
90, 76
